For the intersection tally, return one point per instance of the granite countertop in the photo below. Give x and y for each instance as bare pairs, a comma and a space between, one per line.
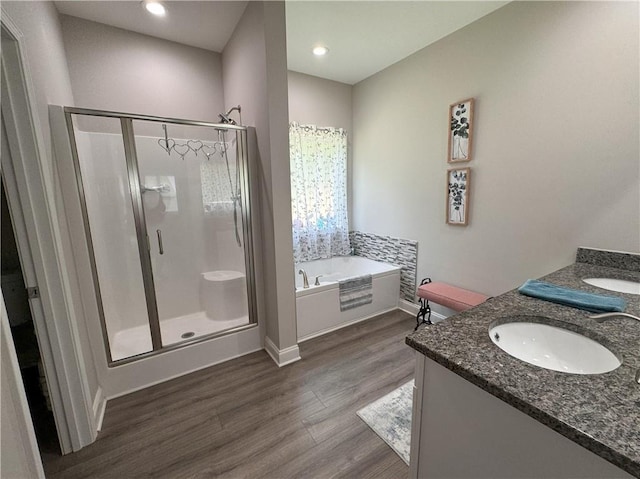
600, 412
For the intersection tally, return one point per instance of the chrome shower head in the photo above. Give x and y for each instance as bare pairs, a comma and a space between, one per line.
224, 118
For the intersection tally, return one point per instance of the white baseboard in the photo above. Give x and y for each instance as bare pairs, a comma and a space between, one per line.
184, 373
282, 357
99, 407
408, 307
403, 305
344, 325
413, 308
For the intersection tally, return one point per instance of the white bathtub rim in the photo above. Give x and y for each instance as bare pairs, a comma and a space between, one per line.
328, 285
329, 267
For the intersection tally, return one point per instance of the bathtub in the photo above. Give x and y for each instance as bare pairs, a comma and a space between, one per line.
318, 307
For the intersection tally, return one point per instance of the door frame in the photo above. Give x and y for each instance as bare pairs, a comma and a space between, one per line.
32, 202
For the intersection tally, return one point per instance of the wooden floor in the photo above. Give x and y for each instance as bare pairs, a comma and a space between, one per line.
248, 418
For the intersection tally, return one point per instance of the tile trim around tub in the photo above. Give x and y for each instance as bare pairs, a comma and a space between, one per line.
401, 252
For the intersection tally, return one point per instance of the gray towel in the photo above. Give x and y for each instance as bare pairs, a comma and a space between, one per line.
355, 292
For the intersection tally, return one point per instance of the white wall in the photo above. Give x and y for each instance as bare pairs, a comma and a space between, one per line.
556, 143
254, 75
320, 102
118, 70
38, 22
41, 40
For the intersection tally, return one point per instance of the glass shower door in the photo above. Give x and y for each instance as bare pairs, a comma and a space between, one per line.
191, 183
110, 223
166, 213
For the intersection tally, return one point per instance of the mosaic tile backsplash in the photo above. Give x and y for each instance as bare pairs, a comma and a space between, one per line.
397, 251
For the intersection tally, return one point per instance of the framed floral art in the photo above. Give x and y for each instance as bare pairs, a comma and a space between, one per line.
458, 180
460, 131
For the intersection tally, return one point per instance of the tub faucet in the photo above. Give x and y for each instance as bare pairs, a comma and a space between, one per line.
600, 318
304, 278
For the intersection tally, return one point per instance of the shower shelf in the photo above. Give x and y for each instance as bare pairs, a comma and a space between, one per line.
223, 275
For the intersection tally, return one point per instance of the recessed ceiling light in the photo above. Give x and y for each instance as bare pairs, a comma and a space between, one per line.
320, 50
155, 7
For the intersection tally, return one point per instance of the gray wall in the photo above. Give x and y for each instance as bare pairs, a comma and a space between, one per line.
556, 143
320, 102
47, 65
119, 70
254, 76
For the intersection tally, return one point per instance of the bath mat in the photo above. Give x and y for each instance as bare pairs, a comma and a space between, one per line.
355, 292
390, 418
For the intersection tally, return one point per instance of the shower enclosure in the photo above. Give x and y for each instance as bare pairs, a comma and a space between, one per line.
167, 220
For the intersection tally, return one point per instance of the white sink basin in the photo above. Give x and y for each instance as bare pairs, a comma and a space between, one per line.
553, 348
619, 285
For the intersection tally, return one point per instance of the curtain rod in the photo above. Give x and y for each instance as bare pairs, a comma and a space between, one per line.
314, 127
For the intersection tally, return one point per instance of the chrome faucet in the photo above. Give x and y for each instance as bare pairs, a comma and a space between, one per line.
304, 278
603, 317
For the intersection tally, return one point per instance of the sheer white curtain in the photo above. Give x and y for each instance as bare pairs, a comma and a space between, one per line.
318, 192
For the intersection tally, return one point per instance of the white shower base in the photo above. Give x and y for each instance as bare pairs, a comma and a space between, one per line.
137, 340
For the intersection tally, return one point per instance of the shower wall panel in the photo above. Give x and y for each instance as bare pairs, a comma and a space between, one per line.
195, 241
195, 220
176, 214
113, 234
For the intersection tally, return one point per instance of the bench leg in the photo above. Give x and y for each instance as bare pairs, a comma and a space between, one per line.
424, 313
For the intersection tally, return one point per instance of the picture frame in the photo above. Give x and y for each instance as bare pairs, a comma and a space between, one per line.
458, 194
460, 139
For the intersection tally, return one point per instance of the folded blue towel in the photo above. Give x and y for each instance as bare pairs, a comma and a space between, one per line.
596, 303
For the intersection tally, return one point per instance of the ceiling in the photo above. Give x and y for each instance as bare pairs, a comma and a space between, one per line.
363, 37
204, 24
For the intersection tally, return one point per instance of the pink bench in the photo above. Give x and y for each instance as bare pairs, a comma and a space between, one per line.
452, 297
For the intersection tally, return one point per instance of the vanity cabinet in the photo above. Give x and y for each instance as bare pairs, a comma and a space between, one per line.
461, 431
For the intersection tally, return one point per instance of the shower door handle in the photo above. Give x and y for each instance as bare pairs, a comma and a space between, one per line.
160, 248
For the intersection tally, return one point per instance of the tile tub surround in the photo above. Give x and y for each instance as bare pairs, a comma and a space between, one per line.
401, 252
611, 259
599, 412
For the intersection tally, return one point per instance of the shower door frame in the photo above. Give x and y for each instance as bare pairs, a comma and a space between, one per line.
131, 159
